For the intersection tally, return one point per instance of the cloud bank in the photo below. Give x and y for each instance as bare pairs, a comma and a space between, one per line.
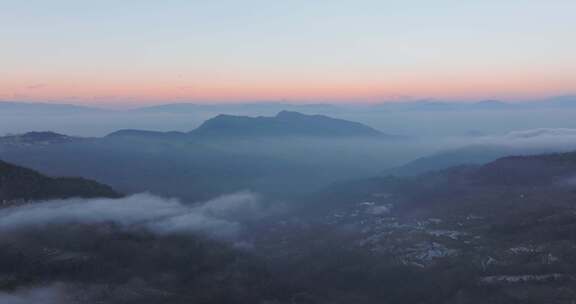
220, 217
552, 138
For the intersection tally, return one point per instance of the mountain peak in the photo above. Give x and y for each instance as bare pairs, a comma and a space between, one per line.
125, 133
291, 114
43, 137
285, 123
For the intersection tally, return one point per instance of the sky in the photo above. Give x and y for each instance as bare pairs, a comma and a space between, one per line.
150, 51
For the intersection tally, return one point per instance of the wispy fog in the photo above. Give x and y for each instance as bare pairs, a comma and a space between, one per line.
220, 218
550, 138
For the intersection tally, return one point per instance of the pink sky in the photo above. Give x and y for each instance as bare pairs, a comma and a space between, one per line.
145, 52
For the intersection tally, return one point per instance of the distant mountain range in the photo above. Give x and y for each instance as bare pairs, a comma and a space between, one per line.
36, 138
282, 154
284, 124
471, 155
566, 101
508, 173
46, 108
239, 108
127, 133
486, 148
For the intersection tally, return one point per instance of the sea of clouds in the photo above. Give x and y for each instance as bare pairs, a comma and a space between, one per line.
220, 217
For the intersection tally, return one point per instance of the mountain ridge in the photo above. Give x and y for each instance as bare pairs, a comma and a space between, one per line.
285, 123
19, 184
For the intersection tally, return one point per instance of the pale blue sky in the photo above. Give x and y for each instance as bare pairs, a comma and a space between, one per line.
216, 50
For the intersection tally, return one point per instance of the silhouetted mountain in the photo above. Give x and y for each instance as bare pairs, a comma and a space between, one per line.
477, 154
470, 155
419, 105
472, 189
18, 184
36, 138
285, 123
145, 133
491, 105
532, 170
567, 101
438, 105
284, 154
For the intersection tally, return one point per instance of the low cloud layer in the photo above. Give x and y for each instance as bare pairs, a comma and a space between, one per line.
552, 138
542, 133
220, 217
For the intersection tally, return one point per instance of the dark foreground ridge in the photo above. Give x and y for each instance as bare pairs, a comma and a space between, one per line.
496, 233
19, 184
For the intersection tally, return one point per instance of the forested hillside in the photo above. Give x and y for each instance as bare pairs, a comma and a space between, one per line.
19, 184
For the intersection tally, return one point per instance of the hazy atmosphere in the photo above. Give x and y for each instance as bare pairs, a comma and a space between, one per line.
297, 152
